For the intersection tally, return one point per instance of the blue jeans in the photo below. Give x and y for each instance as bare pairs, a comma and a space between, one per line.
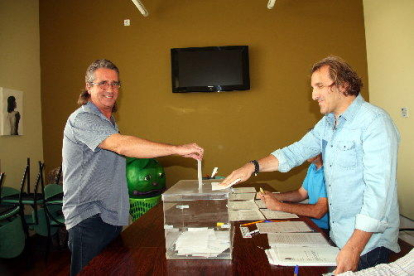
87, 239
376, 256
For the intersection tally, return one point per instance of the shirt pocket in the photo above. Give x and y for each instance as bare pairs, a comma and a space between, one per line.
347, 157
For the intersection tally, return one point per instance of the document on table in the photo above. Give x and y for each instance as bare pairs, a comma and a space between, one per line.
243, 215
257, 195
202, 242
283, 227
296, 239
241, 190
260, 204
270, 214
303, 256
246, 196
242, 205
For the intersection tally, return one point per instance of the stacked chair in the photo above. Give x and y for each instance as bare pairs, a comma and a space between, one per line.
46, 202
12, 236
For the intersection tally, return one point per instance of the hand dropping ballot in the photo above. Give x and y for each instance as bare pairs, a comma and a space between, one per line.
217, 185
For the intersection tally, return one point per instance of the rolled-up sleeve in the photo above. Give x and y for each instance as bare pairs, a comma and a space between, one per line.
298, 152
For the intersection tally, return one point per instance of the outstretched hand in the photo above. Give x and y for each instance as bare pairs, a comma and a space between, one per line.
191, 151
242, 173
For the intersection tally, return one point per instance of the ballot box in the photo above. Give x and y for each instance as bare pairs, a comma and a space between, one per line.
196, 221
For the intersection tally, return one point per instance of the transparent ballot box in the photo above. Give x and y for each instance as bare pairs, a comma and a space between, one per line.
196, 221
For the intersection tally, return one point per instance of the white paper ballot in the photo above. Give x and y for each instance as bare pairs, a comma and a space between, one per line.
258, 197
245, 215
241, 190
260, 204
248, 196
301, 255
296, 239
283, 227
242, 205
200, 175
216, 185
202, 242
270, 214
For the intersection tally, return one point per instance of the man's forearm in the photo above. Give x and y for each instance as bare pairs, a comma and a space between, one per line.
292, 196
268, 164
317, 210
348, 257
136, 147
358, 240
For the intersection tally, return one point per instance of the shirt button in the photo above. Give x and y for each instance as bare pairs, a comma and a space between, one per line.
331, 146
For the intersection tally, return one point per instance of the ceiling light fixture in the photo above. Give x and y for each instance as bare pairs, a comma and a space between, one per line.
271, 4
141, 7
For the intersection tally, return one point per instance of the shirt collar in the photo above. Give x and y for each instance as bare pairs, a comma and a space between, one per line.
350, 112
91, 107
353, 109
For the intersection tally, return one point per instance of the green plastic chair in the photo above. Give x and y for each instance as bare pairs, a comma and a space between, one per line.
7, 210
50, 216
12, 238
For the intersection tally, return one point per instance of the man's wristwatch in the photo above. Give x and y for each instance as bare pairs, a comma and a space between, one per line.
256, 167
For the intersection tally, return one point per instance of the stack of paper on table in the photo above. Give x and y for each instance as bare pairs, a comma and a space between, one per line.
241, 190
283, 227
243, 196
257, 195
202, 242
243, 215
260, 204
304, 256
269, 214
296, 239
242, 205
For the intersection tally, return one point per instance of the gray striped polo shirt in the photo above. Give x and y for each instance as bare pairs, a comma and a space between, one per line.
94, 179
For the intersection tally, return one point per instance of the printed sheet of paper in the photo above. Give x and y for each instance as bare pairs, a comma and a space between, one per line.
257, 195
260, 204
242, 205
283, 227
247, 196
202, 242
304, 256
241, 190
296, 239
245, 215
269, 214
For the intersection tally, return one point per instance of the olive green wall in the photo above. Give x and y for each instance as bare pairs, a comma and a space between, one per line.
233, 127
20, 70
390, 44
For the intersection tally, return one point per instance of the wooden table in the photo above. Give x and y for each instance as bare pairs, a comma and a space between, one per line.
140, 250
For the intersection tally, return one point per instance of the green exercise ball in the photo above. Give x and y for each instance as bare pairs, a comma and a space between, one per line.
145, 178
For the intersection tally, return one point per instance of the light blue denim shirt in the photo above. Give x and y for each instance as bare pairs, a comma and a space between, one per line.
360, 162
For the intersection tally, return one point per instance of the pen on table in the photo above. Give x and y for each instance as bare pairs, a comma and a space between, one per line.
249, 223
296, 272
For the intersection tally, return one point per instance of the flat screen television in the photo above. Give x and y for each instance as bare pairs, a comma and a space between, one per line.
210, 69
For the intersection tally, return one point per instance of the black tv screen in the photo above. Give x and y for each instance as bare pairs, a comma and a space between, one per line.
210, 69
